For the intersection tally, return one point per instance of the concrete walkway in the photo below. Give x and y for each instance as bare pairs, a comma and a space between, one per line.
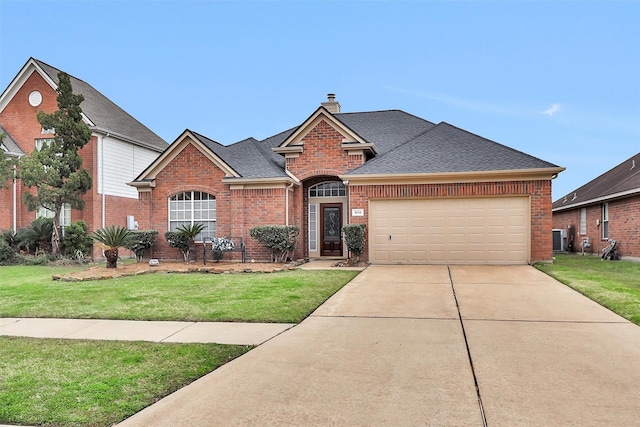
129, 330
429, 345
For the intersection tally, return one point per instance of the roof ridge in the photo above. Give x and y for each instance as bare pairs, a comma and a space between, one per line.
205, 137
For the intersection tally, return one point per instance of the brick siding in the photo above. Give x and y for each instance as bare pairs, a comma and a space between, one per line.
624, 226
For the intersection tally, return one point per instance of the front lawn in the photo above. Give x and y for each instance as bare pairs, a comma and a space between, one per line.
99, 383
286, 297
96, 383
613, 284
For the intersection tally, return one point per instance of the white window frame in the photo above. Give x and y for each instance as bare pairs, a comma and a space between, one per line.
328, 189
313, 227
64, 217
583, 221
605, 220
40, 142
193, 209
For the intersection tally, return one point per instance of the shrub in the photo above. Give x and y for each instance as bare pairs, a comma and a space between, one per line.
11, 237
220, 245
354, 239
280, 239
179, 241
36, 237
112, 237
140, 241
184, 237
76, 242
6, 252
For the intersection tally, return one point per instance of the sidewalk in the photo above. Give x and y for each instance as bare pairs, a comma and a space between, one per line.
155, 331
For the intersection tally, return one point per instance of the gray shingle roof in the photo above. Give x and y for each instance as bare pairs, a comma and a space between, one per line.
106, 115
622, 179
446, 148
10, 144
247, 157
386, 129
404, 143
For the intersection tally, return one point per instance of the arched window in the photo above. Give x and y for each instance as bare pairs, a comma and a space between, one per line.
192, 207
328, 189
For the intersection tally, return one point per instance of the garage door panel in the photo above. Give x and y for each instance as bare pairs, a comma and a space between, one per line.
438, 231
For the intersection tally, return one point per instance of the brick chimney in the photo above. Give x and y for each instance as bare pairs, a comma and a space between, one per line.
331, 105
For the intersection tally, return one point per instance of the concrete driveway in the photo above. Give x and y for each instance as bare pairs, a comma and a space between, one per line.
430, 345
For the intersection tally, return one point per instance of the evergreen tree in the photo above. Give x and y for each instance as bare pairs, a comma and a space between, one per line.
6, 166
55, 171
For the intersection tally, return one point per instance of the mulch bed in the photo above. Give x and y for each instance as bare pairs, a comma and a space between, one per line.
124, 270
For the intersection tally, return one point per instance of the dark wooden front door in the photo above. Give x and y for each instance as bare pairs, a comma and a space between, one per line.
331, 229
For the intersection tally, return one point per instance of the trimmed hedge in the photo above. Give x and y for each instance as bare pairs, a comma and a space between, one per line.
280, 239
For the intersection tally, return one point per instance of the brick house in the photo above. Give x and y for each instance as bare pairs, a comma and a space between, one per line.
606, 207
119, 149
428, 193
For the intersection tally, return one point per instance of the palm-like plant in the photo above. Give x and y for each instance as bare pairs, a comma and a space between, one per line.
112, 237
190, 231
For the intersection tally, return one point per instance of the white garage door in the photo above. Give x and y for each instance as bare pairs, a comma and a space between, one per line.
450, 231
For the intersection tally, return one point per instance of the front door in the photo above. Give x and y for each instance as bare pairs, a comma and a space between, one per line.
331, 229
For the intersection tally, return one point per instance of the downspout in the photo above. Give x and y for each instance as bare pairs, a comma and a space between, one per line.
15, 200
286, 203
104, 196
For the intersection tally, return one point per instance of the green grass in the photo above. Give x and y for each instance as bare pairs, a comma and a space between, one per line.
613, 284
286, 297
96, 383
99, 383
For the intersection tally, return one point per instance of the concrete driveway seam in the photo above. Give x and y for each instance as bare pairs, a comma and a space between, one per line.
466, 343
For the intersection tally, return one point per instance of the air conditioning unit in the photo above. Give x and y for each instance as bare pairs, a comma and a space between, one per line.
559, 240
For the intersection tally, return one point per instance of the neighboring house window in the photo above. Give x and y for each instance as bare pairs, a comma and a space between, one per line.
313, 227
605, 220
48, 131
328, 189
65, 214
41, 142
583, 221
192, 207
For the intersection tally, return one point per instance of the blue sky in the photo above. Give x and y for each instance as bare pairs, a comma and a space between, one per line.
559, 80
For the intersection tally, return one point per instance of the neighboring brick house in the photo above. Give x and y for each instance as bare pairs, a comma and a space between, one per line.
428, 193
119, 149
607, 207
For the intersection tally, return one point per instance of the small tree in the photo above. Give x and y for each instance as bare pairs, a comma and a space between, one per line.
354, 239
280, 239
112, 237
55, 170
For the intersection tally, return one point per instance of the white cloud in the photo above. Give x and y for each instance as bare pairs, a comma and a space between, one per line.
551, 110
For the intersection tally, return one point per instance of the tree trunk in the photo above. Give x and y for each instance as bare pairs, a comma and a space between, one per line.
55, 235
111, 255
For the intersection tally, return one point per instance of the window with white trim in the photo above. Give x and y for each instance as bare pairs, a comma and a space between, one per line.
605, 220
583, 221
193, 207
65, 214
313, 227
328, 189
41, 142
